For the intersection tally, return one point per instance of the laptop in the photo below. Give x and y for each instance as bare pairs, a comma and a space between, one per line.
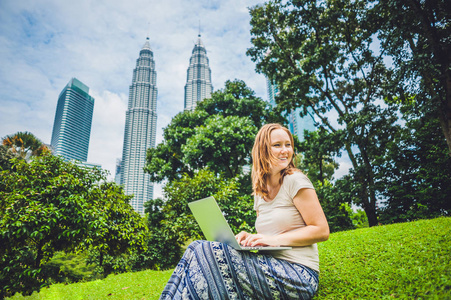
215, 227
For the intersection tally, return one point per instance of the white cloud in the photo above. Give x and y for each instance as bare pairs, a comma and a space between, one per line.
107, 129
43, 44
343, 169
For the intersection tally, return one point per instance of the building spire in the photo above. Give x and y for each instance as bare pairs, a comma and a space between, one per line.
147, 44
199, 41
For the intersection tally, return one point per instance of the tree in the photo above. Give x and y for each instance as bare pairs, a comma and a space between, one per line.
416, 34
203, 153
320, 56
316, 160
316, 155
172, 225
416, 180
5, 158
218, 134
235, 136
24, 144
49, 205
335, 206
237, 207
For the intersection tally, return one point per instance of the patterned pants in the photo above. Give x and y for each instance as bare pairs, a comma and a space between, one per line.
212, 270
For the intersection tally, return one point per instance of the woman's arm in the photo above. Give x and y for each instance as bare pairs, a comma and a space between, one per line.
316, 229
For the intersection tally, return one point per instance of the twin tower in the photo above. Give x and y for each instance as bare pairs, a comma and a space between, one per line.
141, 117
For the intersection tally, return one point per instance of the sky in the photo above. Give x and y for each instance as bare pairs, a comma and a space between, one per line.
44, 43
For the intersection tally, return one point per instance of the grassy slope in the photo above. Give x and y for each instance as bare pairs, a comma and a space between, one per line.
408, 261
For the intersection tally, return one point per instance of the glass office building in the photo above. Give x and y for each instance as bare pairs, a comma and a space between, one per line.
296, 123
73, 120
140, 129
198, 82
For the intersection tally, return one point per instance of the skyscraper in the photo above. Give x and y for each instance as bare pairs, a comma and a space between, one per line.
272, 92
117, 175
198, 80
140, 129
296, 123
73, 119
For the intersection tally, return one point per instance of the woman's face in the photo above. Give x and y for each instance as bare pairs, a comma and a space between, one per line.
282, 149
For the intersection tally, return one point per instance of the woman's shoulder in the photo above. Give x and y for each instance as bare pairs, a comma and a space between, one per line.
297, 179
295, 175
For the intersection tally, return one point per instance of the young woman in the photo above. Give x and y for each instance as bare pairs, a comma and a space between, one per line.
288, 214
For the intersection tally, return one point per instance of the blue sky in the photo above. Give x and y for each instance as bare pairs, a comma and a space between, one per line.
44, 43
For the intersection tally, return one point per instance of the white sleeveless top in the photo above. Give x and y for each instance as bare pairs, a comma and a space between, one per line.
280, 216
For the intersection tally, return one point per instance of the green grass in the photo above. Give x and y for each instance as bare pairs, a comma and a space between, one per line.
139, 285
399, 261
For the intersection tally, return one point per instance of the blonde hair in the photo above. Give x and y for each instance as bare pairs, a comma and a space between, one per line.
263, 159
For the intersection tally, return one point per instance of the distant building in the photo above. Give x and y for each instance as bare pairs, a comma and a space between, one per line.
117, 176
296, 123
90, 165
140, 129
198, 82
273, 91
73, 119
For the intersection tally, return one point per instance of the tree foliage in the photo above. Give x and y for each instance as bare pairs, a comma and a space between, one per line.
204, 153
417, 36
69, 268
316, 156
24, 145
234, 133
172, 225
218, 134
5, 158
316, 160
335, 206
416, 180
320, 54
49, 205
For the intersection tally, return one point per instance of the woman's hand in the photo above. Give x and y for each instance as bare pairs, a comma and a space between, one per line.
242, 236
251, 240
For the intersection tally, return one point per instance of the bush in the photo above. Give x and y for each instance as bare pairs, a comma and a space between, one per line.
49, 205
70, 268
